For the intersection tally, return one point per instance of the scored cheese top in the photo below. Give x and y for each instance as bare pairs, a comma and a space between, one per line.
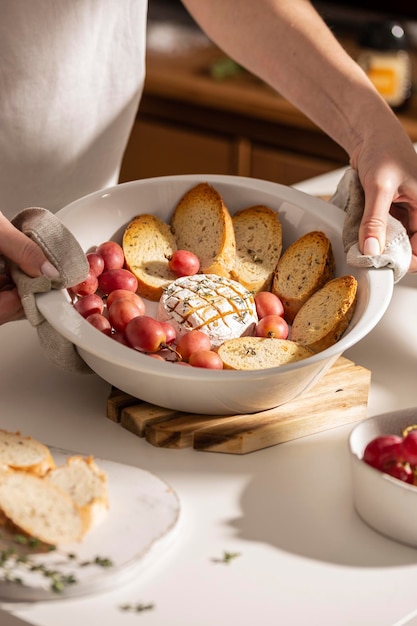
218, 306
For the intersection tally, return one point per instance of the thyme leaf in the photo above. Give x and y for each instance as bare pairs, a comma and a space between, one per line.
13, 561
227, 557
137, 608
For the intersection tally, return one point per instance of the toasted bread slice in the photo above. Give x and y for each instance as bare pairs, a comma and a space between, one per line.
81, 478
202, 224
256, 353
323, 319
304, 267
40, 508
258, 235
24, 453
148, 244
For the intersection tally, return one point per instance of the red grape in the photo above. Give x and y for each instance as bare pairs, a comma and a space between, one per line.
122, 311
272, 326
96, 263
394, 455
156, 356
207, 359
113, 279
113, 255
145, 333
184, 263
268, 303
87, 305
193, 341
88, 286
100, 322
400, 471
118, 294
382, 451
120, 338
171, 333
409, 447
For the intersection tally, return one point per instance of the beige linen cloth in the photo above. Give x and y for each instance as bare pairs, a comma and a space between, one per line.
349, 197
64, 252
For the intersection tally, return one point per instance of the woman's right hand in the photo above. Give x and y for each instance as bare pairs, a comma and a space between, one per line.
16, 246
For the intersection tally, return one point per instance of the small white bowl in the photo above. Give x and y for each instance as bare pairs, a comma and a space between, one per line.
105, 214
385, 503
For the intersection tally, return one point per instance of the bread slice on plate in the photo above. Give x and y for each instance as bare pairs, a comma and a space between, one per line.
256, 353
55, 504
304, 267
258, 235
24, 453
40, 508
86, 484
148, 244
326, 315
202, 224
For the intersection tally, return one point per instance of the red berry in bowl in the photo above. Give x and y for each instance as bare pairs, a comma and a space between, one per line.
145, 334
409, 447
382, 451
96, 263
184, 263
400, 471
112, 255
268, 303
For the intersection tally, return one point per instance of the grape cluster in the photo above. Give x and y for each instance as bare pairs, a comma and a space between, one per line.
395, 455
108, 300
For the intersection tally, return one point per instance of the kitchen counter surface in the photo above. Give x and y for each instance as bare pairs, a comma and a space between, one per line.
304, 556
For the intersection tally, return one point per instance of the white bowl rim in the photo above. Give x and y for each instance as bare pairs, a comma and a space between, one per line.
58, 311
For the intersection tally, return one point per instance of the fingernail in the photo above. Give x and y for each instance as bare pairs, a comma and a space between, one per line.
371, 247
49, 270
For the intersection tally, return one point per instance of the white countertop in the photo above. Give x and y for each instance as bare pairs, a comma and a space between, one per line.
305, 556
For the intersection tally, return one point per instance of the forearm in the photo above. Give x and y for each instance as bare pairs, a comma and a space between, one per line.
286, 43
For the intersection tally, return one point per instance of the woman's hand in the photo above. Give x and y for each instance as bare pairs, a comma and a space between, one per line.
387, 167
17, 247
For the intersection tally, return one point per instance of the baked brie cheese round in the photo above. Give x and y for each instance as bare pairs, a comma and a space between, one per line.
218, 306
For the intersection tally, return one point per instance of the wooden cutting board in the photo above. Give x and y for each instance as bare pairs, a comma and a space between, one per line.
339, 398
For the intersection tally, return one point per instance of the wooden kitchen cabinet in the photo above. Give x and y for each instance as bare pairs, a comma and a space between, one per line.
161, 149
286, 168
190, 123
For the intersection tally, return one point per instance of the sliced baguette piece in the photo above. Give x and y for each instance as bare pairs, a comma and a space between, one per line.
148, 244
202, 224
304, 267
256, 353
39, 508
258, 235
326, 315
86, 484
24, 453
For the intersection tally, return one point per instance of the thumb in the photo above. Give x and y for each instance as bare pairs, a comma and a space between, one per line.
17, 247
373, 227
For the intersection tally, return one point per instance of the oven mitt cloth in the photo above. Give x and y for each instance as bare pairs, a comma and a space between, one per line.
350, 197
63, 251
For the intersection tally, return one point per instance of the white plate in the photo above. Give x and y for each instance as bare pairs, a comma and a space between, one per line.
143, 513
